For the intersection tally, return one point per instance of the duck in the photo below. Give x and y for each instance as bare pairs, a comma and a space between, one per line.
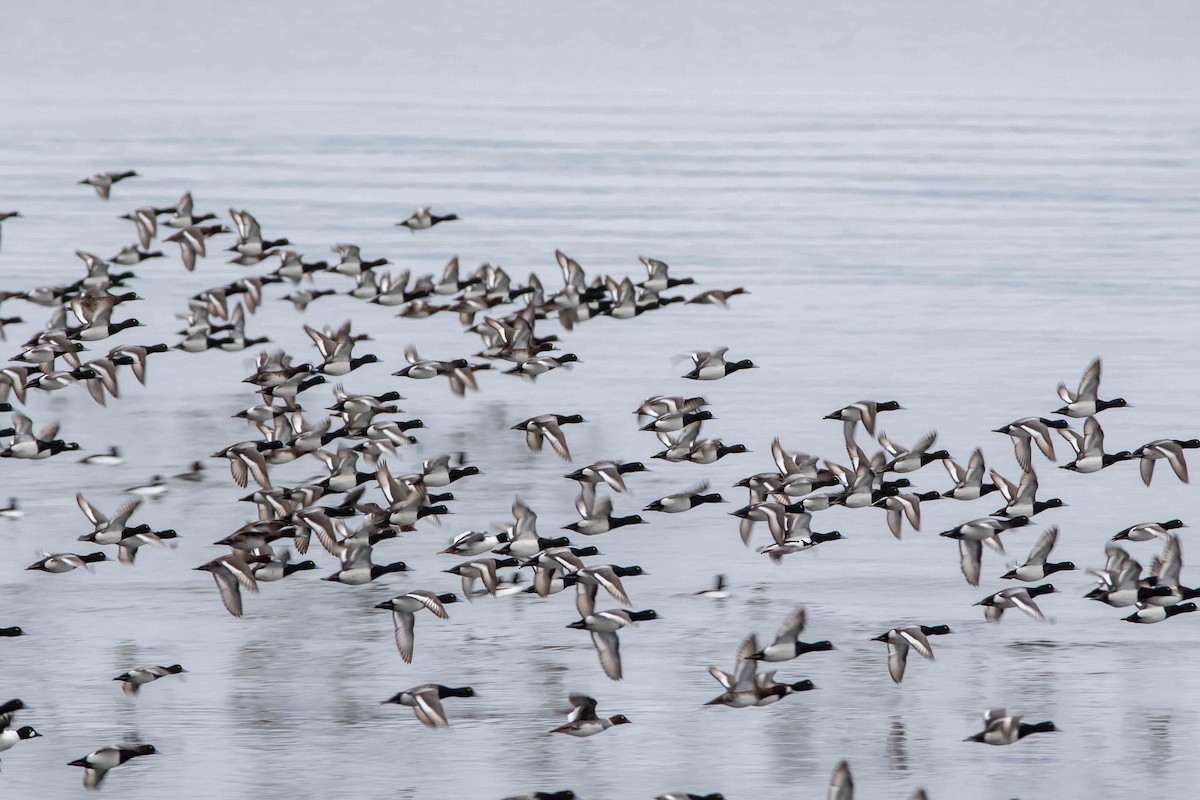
1022, 500
712, 366
1084, 401
787, 644
603, 626
669, 423
475, 543
565, 794
582, 720
718, 591
426, 702
10, 737
1017, 597
102, 182
129, 543
405, 606
1149, 614
358, 569
841, 783
66, 562
231, 574
1037, 566
1028, 431
1170, 449
1001, 729
1089, 449
278, 568
484, 570
184, 216
657, 279
13, 510
900, 640
131, 255
1146, 531
596, 514
7, 215
98, 763
864, 411
968, 483
547, 427
250, 238
133, 680
437, 472
194, 473
685, 500
15, 630
690, 796
606, 471
423, 219
904, 506
985, 528
1165, 573
112, 458
157, 487
911, 459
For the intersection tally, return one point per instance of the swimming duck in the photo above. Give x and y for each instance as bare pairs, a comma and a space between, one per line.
97, 764
157, 487
582, 720
1017, 597
1029, 431
7, 215
711, 366
110, 459
900, 640
1036, 566
1084, 402
787, 644
426, 702
13, 510
1001, 729
1171, 450
423, 219
405, 606
136, 678
1089, 449
718, 591
194, 473
603, 626
102, 182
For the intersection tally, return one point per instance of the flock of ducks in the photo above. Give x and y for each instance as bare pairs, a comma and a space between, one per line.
357, 440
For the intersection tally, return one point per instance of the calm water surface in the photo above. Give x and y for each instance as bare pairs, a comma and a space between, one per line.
960, 256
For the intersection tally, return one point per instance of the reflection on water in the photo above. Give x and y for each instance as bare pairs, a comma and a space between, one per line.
960, 256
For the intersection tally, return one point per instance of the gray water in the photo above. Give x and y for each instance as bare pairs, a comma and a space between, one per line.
960, 255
